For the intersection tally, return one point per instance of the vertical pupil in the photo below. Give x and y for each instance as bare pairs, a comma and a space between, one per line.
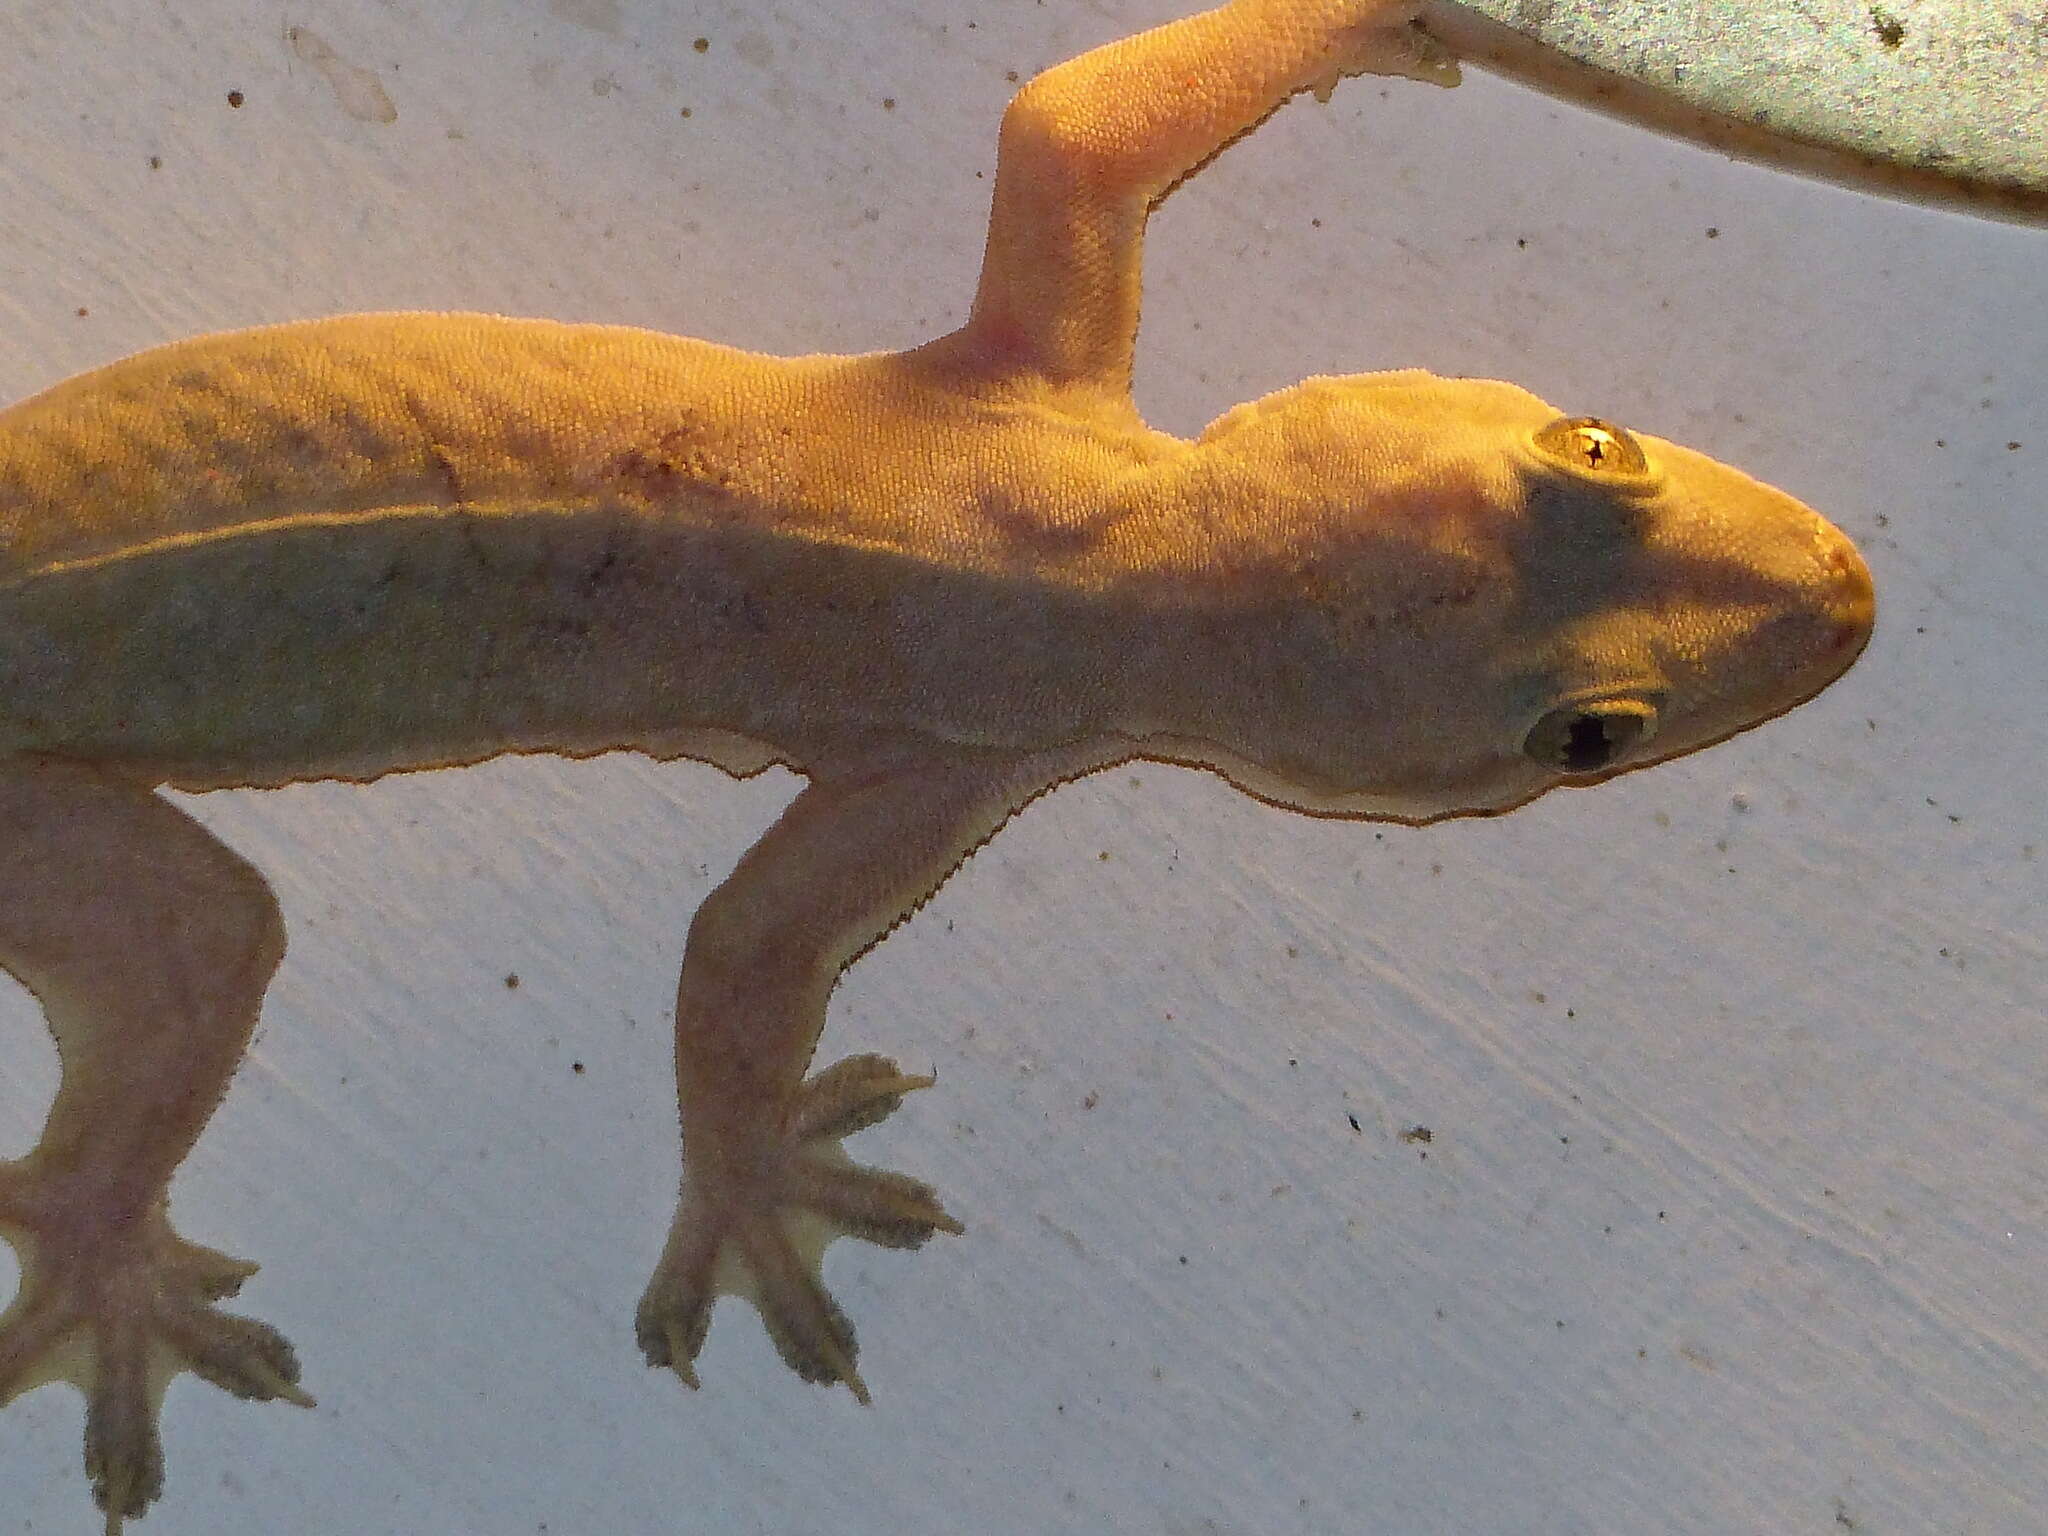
1586, 745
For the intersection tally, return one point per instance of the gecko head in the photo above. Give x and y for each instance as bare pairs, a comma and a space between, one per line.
1512, 598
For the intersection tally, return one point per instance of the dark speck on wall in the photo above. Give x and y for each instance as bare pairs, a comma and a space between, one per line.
235, 98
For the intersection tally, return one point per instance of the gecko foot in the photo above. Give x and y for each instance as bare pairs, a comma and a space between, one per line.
763, 1237
118, 1313
1390, 43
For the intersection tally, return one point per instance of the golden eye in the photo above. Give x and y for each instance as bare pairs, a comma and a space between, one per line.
1589, 736
1592, 446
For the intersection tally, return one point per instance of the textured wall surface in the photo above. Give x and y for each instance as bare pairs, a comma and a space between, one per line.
1946, 99
1732, 1215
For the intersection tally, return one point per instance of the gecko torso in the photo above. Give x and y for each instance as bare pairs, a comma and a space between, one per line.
383, 542
935, 582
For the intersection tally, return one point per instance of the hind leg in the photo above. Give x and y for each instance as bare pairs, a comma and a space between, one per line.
148, 943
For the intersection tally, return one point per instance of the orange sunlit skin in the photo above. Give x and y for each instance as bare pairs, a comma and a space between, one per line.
936, 583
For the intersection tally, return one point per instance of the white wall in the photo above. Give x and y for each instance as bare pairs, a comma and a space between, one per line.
1733, 1219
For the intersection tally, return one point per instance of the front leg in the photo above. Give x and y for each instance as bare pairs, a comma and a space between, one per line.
765, 1184
1088, 146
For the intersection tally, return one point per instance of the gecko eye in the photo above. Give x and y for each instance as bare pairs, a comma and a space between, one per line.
1588, 736
1593, 447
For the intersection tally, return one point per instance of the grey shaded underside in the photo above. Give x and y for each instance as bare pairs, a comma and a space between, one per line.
1940, 101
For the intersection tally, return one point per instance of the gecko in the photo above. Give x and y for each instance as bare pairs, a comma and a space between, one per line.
934, 582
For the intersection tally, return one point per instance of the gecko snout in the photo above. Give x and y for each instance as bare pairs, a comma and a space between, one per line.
1828, 621
1855, 596
1848, 597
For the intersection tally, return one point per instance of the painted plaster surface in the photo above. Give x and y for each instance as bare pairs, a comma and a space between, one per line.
1941, 100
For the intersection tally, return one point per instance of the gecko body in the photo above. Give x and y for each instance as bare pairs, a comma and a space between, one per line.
935, 582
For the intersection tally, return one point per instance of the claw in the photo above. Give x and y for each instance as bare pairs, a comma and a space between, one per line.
812, 1335
671, 1328
279, 1387
239, 1355
682, 1357
889, 1209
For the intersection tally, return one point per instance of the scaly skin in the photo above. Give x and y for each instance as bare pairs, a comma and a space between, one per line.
935, 582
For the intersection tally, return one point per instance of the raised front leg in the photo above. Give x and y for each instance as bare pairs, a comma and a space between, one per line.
765, 1184
1089, 146
149, 944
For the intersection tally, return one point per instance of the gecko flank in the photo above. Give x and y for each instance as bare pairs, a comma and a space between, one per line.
934, 582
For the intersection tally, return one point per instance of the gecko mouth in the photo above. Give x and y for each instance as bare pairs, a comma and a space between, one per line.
1847, 612
1855, 601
